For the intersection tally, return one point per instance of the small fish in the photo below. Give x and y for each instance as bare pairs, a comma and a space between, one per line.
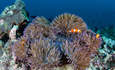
75, 30
97, 36
23, 42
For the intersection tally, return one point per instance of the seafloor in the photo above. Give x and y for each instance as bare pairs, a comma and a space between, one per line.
65, 43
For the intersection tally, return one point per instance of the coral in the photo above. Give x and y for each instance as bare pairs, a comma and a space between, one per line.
6, 60
65, 22
12, 33
105, 57
46, 46
11, 10
12, 15
1, 46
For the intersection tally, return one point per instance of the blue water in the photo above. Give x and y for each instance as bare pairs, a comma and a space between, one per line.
99, 13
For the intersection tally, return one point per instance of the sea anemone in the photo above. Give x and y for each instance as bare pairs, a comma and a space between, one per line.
36, 53
65, 22
44, 55
39, 27
82, 49
19, 48
36, 49
42, 47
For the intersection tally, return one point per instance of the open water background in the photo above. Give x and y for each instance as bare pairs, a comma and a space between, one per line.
99, 13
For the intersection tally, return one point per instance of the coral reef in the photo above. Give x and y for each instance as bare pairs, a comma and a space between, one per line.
66, 43
35, 49
108, 31
50, 46
41, 47
82, 49
12, 15
105, 57
11, 19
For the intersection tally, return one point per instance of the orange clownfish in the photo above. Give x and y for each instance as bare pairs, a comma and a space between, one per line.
23, 42
75, 30
97, 35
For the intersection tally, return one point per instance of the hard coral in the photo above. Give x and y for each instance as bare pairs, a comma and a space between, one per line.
106, 55
12, 15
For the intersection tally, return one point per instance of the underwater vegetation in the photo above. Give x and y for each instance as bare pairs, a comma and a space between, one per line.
66, 43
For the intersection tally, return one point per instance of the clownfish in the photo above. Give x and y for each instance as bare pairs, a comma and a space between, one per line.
97, 35
75, 30
23, 42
